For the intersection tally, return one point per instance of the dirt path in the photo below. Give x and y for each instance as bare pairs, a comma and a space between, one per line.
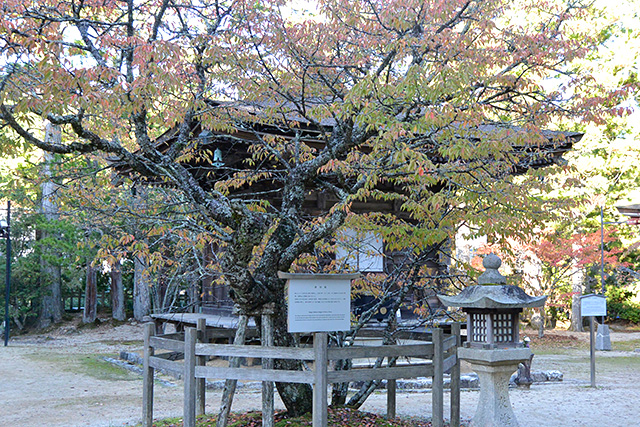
60, 380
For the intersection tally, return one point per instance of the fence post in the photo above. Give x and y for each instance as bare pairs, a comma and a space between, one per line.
320, 380
201, 361
267, 363
391, 395
455, 379
189, 415
438, 379
147, 379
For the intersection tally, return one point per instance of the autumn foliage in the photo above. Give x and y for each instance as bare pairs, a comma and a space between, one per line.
440, 111
550, 263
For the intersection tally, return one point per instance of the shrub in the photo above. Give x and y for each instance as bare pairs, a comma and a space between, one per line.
620, 306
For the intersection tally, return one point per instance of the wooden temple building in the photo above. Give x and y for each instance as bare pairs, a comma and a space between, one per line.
229, 150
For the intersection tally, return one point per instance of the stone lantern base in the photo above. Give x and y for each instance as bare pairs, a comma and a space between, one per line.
494, 368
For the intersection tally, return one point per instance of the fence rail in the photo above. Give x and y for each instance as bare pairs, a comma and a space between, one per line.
437, 355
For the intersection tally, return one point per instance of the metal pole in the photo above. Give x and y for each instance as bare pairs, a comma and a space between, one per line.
592, 351
7, 289
602, 249
602, 253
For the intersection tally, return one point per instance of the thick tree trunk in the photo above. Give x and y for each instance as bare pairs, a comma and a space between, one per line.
90, 312
141, 288
117, 293
297, 398
51, 305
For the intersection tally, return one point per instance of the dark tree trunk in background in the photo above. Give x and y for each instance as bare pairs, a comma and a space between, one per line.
577, 280
141, 288
90, 294
51, 306
159, 292
117, 293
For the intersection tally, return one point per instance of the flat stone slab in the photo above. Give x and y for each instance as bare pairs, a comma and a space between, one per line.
494, 356
212, 320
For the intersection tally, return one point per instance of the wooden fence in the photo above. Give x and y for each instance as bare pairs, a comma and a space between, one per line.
437, 353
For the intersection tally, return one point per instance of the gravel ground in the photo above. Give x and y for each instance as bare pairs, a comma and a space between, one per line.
59, 379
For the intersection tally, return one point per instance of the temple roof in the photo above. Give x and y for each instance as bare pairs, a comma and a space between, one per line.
538, 150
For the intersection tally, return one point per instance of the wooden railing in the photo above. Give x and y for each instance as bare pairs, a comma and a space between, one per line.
437, 354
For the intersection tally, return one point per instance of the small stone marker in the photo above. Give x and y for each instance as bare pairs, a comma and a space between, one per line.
603, 338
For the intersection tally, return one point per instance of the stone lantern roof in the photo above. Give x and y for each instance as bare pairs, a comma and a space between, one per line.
496, 297
492, 291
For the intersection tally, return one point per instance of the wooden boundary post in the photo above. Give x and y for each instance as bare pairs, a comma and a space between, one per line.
189, 416
147, 380
455, 379
267, 363
201, 361
320, 380
159, 325
320, 376
391, 399
437, 398
391, 394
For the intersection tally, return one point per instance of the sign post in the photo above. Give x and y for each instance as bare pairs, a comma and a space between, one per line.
319, 303
593, 305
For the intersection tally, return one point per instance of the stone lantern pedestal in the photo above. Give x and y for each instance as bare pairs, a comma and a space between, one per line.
494, 369
493, 347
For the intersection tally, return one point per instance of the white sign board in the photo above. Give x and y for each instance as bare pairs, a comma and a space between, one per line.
593, 305
319, 303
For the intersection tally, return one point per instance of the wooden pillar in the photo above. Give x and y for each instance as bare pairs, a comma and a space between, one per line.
391, 393
159, 324
189, 416
437, 402
147, 380
320, 380
267, 386
455, 379
201, 361
391, 399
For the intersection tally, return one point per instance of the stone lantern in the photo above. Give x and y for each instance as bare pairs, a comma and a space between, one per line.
493, 346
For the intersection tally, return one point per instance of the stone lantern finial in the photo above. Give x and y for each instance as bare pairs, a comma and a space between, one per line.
491, 275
